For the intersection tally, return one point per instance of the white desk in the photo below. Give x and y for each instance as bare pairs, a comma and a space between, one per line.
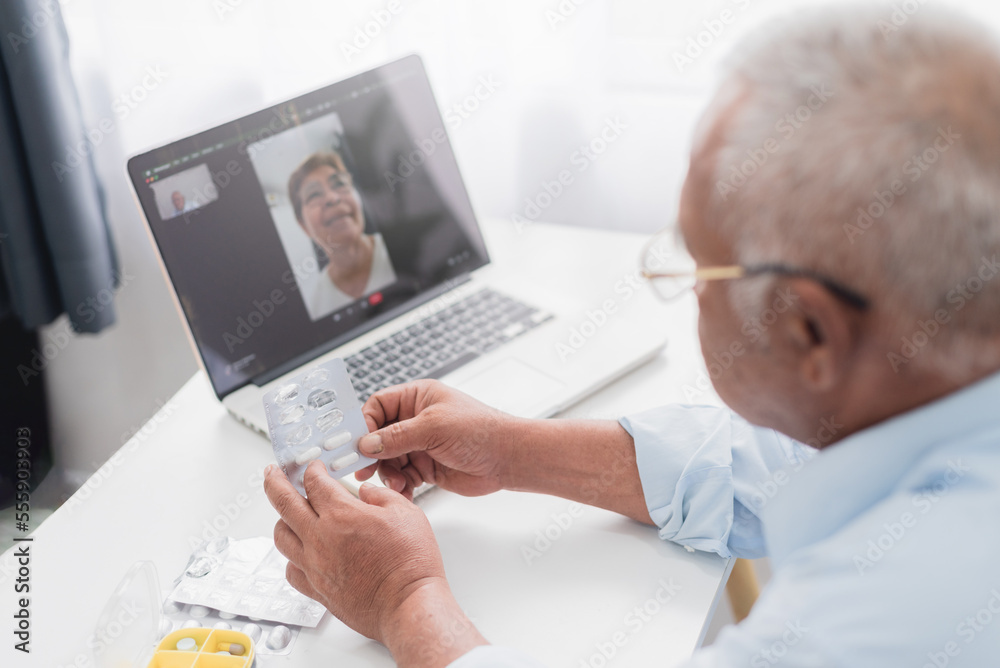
193, 463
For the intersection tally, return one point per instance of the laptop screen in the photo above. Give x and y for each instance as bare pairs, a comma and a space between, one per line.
288, 230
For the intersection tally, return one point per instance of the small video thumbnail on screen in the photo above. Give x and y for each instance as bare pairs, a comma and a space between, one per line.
336, 253
184, 192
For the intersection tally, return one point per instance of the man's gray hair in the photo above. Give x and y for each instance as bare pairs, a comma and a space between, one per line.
867, 148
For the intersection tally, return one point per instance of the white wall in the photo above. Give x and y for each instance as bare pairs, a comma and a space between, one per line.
162, 70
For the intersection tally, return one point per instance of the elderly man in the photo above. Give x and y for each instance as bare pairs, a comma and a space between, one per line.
181, 205
851, 164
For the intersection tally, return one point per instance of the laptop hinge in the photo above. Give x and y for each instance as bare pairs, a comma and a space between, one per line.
305, 358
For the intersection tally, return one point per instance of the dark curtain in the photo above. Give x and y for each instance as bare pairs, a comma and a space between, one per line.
56, 254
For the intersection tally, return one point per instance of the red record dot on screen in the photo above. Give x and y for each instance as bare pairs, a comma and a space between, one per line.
375, 299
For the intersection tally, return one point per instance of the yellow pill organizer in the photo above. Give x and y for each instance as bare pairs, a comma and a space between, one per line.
128, 627
207, 643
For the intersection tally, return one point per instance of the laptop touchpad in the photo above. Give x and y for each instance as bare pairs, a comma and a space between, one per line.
511, 386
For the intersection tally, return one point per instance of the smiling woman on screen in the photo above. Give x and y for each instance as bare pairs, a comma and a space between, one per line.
328, 207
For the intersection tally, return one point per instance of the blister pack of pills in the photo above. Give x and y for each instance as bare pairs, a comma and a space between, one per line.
245, 578
316, 415
267, 637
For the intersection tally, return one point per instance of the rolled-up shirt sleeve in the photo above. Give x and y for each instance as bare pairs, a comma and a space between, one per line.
706, 473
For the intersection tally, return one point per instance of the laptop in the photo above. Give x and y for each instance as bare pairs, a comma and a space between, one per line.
337, 224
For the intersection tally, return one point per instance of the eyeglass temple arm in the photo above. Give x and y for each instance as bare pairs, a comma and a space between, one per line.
702, 273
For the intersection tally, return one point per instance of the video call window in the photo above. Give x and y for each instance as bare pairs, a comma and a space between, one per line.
184, 192
337, 254
289, 237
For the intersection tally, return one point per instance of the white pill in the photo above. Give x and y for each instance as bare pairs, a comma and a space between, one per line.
343, 462
166, 626
337, 440
171, 607
222, 626
199, 611
226, 615
223, 652
252, 630
187, 645
191, 624
307, 456
279, 637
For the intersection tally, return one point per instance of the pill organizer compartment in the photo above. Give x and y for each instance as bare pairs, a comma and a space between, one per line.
129, 625
204, 654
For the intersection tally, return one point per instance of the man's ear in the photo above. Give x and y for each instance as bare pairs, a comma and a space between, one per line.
823, 332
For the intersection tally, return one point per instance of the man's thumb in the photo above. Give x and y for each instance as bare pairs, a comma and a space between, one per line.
393, 441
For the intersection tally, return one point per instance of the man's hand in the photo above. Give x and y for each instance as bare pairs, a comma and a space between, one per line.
427, 432
372, 561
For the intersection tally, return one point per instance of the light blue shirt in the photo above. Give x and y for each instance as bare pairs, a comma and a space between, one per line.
885, 546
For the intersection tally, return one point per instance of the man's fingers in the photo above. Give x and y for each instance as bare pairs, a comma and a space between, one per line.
366, 473
390, 476
377, 496
287, 543
394, 403
395, 483
402, 474
322, 490
402, 402
297, 578
398, 439
294, 509
413, 479
424, 464
372, 422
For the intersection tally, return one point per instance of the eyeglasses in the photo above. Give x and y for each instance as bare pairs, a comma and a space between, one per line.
338, 183
671, 270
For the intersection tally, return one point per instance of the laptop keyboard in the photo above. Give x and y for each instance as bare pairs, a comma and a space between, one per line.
442, 342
